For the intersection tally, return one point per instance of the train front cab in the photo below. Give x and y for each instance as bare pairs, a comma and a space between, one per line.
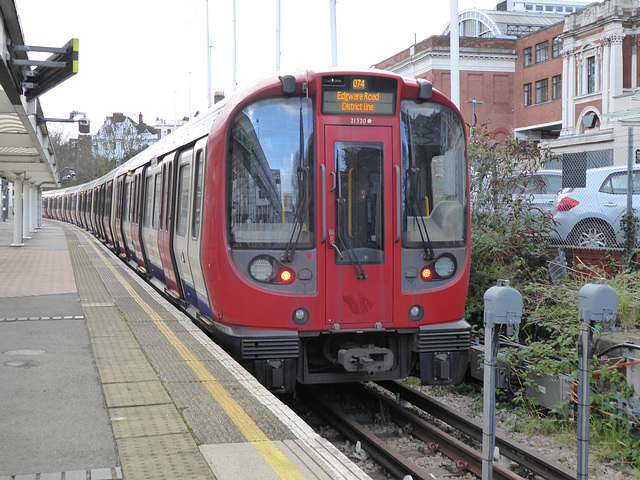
350, 238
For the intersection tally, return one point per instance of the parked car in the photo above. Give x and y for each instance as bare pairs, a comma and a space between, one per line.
542, 189
590, 216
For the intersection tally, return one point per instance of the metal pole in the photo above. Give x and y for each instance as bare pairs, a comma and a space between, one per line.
630, 174
278, 35
583, 401
454, 34
208, 58
597, 302
334, 34
502, 306
17, 213
489, 401
234, 47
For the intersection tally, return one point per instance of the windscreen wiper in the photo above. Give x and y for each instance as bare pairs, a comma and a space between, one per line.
302, 202
302, 205
347, 251
414, 204
341, 226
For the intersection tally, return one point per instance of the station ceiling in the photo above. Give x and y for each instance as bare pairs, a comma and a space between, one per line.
25, 149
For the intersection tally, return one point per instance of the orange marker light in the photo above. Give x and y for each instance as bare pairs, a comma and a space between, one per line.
426, 273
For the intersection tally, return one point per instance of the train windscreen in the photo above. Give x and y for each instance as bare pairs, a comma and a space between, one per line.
434, 169
270, 175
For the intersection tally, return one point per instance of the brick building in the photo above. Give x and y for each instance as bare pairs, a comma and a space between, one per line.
563, 73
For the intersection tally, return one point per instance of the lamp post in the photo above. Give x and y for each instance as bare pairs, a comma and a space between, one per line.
71, 176
83, 121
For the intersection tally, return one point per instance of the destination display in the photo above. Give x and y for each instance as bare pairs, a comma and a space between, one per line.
352, 95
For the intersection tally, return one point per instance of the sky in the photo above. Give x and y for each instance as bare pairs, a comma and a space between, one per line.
150, 56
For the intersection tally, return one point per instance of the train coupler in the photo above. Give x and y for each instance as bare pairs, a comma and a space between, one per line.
366, 358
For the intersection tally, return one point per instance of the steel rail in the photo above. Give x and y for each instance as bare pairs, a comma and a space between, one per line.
448, 445
382, 453
527, 458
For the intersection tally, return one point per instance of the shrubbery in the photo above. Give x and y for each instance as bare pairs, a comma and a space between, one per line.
509, 242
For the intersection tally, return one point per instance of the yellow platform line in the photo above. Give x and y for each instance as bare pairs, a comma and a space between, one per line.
272, 454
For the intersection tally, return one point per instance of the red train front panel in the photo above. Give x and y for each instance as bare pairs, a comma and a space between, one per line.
336, 241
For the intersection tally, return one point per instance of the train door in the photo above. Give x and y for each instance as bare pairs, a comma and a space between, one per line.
165, 227
194, 236
136, 230
150, 224
126, 217
90, 219
98, 207
181, 230
359, 267
117, 216
106, 224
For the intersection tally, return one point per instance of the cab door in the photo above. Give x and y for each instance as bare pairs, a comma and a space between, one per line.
359, 265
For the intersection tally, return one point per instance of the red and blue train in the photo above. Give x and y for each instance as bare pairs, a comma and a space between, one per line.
316, 225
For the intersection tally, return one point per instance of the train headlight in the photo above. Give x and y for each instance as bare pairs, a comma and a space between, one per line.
261, 269
445, 266
416, 313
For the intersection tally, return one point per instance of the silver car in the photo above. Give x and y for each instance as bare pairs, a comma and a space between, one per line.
590, 216
542, 189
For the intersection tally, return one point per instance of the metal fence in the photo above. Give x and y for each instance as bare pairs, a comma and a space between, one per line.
598, 204
587, 198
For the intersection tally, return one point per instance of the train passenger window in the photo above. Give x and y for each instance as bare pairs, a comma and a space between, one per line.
127, 202
433, 150
197, 200
134, 197
184, 175
269, 197
118, 199
167, 193
107, 206
148, 201
156, 200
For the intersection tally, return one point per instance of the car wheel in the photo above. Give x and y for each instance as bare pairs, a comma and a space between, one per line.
592, 235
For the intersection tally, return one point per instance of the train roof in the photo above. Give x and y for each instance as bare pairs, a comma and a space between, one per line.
201, 125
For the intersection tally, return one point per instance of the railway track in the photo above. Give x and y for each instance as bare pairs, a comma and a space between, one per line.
462, 456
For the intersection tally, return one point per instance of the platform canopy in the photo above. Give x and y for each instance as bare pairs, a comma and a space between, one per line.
25, 149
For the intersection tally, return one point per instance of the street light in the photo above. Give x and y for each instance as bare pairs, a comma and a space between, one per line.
83, 122
70, 176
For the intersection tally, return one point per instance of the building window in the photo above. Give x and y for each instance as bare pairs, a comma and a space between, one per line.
557, 47
527, 56
556, 87
542, 52
542, 91
527, 95
591, 74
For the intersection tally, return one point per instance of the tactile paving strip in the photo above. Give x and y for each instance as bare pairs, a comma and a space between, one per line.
135, 394
138, 405
147, 420
167, 457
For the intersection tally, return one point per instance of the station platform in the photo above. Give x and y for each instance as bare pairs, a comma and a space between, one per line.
102, 379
